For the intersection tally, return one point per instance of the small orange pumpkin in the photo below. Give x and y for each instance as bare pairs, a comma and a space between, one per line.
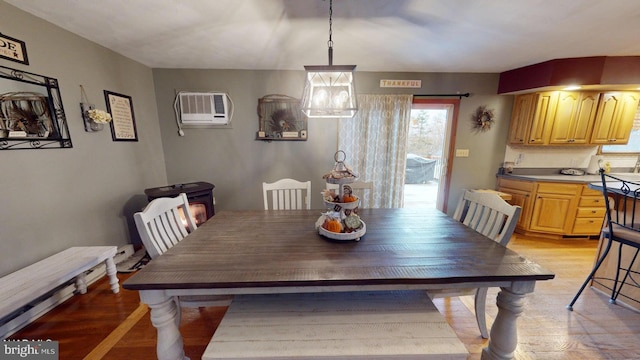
334, 226
349, 198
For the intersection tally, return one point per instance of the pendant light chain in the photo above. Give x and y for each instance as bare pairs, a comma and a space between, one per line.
330, 21
330, 43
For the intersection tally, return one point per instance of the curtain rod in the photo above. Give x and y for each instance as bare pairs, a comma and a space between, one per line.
443, 95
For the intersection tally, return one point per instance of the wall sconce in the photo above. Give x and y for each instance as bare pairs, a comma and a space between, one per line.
93, 118
329, 91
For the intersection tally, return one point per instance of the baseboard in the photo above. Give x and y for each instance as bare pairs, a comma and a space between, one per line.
57, 297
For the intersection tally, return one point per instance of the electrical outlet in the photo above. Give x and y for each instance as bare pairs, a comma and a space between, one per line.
519, 159
462, 152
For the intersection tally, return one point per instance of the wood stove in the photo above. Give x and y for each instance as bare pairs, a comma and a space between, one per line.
200, 195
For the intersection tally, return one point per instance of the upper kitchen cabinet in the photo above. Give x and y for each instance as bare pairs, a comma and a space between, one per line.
614, 118
521, 117
531, 118
574, 117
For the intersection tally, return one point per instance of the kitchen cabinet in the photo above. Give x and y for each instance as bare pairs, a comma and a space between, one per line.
574, 117
521, 117
555, 209
520, 192
590, 213
614, 118
531, 118
553, 205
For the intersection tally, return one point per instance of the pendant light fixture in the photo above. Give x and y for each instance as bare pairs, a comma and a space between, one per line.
329, 91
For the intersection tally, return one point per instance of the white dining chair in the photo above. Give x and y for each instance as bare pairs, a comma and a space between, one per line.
490, 215
362, 189
162, 224
287, 194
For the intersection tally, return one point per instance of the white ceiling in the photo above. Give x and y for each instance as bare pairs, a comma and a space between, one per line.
375, 35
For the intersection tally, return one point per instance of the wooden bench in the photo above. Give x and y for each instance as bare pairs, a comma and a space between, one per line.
350, 325
23, 287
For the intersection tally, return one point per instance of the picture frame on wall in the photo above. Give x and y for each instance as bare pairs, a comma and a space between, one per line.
280, 118
123, 123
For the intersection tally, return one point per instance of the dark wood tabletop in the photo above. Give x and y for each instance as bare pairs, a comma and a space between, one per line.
258, 249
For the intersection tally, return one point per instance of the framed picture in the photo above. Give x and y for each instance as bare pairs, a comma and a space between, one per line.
123, 123
280, 118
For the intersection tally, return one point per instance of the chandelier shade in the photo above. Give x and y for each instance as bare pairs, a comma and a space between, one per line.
329, 90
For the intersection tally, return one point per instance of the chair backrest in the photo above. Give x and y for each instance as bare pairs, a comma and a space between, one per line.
287, 194
163, 223
488, 214
622, 202
359, 188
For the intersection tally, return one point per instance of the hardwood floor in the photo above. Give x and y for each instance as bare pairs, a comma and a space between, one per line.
103, 325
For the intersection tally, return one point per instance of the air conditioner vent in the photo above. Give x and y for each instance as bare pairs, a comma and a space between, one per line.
203, 109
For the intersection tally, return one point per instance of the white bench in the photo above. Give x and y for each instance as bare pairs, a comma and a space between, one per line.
28, 284
351, 325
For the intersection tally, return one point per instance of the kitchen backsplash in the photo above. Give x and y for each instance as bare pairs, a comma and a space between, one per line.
562, 157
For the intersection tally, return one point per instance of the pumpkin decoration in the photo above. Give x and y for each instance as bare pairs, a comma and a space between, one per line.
348, 194
334, 226
349, 198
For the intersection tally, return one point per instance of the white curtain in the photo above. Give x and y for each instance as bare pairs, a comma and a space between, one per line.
375, 143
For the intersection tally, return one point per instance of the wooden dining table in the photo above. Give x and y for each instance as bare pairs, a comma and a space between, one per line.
268, 252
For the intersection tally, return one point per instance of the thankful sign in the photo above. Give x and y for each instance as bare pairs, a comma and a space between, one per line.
13, 49
401, 83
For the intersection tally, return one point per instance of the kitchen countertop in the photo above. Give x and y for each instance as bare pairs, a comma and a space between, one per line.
587, 178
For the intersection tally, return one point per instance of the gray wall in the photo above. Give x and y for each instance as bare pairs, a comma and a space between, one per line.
56, 198
52, 199
237, 163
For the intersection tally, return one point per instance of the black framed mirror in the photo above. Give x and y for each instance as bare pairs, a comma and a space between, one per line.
31, 112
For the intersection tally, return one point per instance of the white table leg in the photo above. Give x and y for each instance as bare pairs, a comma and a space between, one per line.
504, 332
111, 272
163, 317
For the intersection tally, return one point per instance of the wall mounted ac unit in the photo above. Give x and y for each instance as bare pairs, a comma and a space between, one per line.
203, 108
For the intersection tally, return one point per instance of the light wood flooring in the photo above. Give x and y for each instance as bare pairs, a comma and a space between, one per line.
103, 325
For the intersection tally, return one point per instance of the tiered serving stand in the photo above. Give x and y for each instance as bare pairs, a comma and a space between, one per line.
341, 175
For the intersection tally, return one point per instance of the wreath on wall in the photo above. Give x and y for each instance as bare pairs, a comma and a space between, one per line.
482, 118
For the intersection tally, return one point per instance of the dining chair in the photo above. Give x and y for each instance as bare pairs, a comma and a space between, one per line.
162, 224
287, 194
621, 226
363, 189
490, 215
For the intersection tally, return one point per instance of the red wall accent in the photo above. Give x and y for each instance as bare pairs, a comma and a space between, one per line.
596, 70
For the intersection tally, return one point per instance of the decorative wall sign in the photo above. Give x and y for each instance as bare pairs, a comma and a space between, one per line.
280, 118
13, 49
401, 84
123, 124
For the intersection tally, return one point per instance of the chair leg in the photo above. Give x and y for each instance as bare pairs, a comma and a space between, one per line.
179, 310
480, 306
616, 291
595, 268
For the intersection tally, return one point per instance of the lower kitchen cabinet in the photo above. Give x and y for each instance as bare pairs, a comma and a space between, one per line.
555, 209
520, 192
